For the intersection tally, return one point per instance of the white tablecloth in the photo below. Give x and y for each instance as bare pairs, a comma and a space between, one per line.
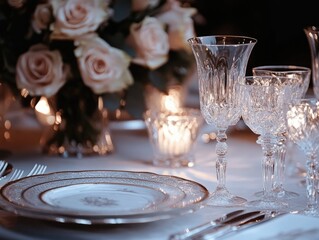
133, 152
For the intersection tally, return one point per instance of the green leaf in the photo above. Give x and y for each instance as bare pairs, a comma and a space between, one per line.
135, 100
158, 80
122, 10
111, 101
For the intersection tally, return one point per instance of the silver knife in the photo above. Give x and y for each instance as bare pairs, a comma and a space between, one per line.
232, 217
231, 227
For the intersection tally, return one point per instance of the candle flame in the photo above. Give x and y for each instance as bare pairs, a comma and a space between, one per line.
44, 112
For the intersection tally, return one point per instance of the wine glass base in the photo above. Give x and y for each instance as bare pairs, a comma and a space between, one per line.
309, 212
281, 194
267, 204
223, 198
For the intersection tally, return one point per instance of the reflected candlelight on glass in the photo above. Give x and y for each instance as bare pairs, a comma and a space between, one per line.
174, 138
44, 112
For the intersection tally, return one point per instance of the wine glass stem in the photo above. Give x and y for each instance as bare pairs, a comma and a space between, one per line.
221, 151
312, 181
280, 163
268, 144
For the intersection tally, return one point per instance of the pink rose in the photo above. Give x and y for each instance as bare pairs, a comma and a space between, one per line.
150, 42
180, 24
16, 3
103, 68
40, 71
77, 17
41, 17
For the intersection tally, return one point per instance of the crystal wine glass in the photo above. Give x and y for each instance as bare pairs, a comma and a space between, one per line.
221, 62
303, 129
264, 105
303, 74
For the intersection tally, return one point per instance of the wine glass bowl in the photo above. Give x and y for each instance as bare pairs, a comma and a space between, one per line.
291, 71
303, 129
221, 61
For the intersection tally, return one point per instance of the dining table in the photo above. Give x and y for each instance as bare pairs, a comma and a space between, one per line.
133, 152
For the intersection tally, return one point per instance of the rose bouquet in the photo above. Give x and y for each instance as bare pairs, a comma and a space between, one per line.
79, 53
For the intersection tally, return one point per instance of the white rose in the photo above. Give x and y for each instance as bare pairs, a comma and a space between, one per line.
40, 71
41, 17
150, 42
77, 17
103, 68
180, 24
16, 3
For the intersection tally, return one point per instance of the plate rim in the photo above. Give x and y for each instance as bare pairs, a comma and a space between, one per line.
105, 219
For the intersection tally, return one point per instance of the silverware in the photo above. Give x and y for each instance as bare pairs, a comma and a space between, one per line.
231, 227
37, 169
18, 173
232, 217
3, 167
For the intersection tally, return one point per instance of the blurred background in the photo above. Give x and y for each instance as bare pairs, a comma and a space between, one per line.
276, 24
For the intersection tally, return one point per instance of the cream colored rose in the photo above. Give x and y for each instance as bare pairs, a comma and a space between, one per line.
74, 18
41, 17
150, 42
140, 5
16, 3
180, 24
40, 71
103, 68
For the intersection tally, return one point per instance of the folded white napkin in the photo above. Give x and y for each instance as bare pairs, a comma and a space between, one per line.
285, 227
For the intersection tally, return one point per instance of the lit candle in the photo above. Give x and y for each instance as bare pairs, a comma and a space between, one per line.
174, 137
44, 112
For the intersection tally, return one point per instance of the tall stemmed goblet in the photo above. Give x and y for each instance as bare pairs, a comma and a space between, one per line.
303, 129
264, 105
296, 72
312, 34
221, 62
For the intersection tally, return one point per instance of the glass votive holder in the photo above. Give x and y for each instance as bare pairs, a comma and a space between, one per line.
172, 135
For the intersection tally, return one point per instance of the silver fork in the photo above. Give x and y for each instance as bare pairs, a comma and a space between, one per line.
18, 173
3, 167
37, 169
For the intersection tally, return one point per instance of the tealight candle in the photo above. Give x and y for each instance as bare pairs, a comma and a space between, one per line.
174, 138
172, 135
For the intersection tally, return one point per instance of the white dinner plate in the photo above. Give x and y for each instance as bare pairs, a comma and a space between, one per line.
102, 197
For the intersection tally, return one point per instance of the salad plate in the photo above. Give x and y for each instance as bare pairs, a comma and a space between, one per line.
102, 197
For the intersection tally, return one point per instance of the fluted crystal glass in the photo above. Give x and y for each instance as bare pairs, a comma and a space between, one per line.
221, 62
264, 105
303, 75
303, 129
